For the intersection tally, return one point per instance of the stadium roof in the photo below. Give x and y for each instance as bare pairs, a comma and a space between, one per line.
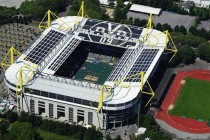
145, 9
56, 43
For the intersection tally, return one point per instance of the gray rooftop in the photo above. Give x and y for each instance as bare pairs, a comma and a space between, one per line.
205, 25
170, 18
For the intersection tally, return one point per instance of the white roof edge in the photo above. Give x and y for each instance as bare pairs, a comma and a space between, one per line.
145, 9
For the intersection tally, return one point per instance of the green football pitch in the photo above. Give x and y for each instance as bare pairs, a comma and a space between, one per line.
194, 100
95, 73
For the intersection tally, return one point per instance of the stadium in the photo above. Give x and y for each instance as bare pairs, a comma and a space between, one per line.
87, 71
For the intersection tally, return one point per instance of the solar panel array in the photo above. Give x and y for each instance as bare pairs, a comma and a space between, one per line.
110, 33
142, 64
64, 54
41, 50
121, 64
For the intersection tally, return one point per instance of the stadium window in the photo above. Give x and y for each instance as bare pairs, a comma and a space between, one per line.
27, 90
50, 110
90, 117
71, 112
52, 95
111, 105
77, 101
36, 92
60, 97
44, 94
94, 104
69, 99
32, 107
120, 104
86, 102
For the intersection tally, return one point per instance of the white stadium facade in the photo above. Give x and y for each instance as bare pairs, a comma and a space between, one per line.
49, 68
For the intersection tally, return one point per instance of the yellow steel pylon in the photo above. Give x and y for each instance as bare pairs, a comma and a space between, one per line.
173, 49
30, 72
150, 92
47, 16
141, 74
81, 13
11, 52
148, 27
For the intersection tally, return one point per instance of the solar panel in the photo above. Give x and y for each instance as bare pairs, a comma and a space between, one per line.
110, 33
41, 50
64, 54
142, 64
121, 64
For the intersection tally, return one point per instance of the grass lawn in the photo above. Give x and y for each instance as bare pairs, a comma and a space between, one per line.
48, 135
101, 71
193, 100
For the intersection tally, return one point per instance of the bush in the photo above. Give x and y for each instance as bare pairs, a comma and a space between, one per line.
23, 131
4, 125
11, 116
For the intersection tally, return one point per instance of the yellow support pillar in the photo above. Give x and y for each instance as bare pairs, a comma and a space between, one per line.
150, 22
151, 92
142, 80
169, 38
101, 99
148, 26
12, 55
9, 58
48, 18
82, 6
30, 70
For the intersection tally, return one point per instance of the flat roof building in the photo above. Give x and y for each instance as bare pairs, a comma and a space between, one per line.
145, 9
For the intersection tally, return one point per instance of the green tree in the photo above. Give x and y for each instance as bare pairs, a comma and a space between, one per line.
193, 30
183, 30
167, 27
137, 22
4, 125
117, 138
176, 29
188, 54
24, 117
11, 116
36, 121
204, 52
92, 134
23, 131
159, 27
107, 137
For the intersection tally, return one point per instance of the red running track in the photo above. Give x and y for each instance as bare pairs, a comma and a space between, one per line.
177, 122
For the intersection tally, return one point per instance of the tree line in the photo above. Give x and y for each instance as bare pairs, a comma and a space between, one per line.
23, 127
92, 8
31, 10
